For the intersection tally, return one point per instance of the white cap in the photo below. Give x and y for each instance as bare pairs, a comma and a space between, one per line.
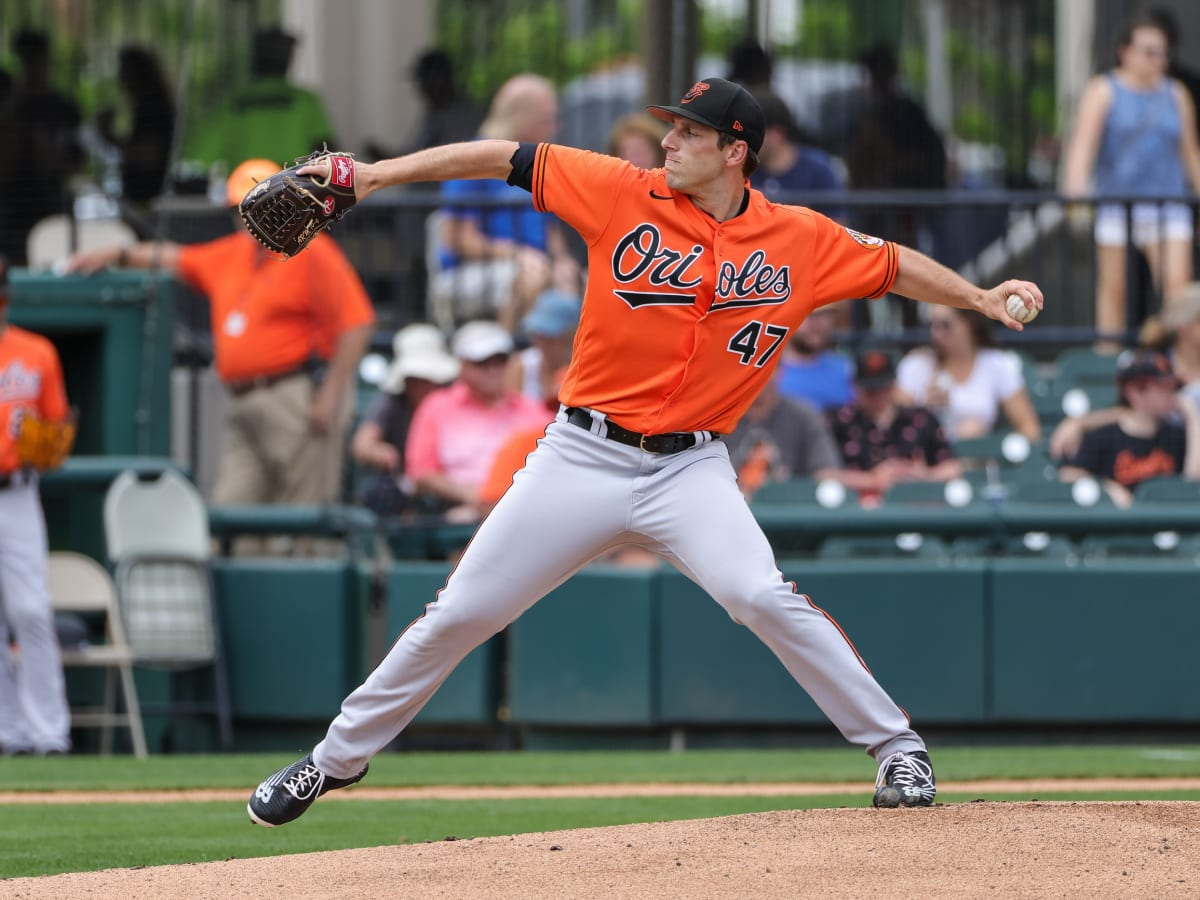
419, 351
482, 339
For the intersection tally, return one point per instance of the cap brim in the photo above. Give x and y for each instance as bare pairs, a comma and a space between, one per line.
667, 112
875, 384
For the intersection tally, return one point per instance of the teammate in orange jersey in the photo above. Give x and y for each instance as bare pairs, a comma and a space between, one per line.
695, 282
34, 717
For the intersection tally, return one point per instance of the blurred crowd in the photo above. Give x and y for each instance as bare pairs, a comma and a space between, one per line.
438, 427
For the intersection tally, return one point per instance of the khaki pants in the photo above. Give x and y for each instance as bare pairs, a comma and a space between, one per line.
271, 454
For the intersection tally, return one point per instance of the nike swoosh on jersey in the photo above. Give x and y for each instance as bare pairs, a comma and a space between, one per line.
655, 196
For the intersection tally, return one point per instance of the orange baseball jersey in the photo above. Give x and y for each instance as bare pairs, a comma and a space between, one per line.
268, 317
684, 317
31, 380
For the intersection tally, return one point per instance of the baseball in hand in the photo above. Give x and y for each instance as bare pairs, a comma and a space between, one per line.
1016, 308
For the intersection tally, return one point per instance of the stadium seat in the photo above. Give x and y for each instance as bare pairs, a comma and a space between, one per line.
1034, 545
1159, 544
887, 546
1085, 492
830, 494
1170, 489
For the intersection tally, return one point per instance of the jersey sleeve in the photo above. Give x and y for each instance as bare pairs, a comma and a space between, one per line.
567, 182
848, 264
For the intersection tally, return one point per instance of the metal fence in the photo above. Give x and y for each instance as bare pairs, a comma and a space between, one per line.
986, 235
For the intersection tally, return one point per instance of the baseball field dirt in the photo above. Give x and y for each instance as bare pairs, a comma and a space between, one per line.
1132, 849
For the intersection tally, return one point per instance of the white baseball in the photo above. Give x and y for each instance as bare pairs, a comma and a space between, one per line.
1016, 308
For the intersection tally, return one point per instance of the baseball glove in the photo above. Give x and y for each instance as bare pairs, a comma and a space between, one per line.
43, 444
286, 211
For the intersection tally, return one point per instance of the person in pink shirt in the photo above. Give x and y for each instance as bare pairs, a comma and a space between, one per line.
457, 431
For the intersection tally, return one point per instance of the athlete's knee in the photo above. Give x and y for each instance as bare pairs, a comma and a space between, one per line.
455, 625
752, 608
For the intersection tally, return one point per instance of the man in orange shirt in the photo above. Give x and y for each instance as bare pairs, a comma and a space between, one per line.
695, 282
34, 717
287, 340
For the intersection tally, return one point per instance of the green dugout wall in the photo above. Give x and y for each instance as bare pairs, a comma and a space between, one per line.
114, 332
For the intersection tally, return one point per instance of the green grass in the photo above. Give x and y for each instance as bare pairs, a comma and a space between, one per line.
47, 839
624, 767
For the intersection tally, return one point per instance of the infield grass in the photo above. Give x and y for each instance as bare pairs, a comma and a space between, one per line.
47, 839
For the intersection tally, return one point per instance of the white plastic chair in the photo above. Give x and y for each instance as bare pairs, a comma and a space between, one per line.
79, 584
156, 532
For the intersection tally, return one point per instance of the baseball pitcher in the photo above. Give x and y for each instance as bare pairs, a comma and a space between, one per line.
696, 282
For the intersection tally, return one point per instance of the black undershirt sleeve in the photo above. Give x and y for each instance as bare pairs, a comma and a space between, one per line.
522, 167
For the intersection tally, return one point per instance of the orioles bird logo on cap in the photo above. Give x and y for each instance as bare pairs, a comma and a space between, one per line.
697, 89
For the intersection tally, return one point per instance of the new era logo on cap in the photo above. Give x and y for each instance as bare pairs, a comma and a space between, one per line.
721, 105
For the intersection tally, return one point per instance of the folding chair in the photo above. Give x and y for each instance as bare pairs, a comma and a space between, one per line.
79, 584
157, 535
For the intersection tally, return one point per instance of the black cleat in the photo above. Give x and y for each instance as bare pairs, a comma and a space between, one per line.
290, 791
905, 779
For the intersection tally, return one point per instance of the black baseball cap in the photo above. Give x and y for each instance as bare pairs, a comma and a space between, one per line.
874, 369
1135, 365
722, 105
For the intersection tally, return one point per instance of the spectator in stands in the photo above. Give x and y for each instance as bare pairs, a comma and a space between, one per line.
496, 259
965, 379
883, 442
788, 167
751, 66
449, 116
1182, 323
1142, 442
146, 147
778, 439
549, 327
287, 340
810, 370
894, 146
1181, 71
40, 150
269, 118
637, 137
1176, 332
1135, 136
457, 430
420, 365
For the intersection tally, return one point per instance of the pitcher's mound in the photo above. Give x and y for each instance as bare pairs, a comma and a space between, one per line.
982, 849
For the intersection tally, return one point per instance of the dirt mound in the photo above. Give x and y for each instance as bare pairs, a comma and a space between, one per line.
1132, 849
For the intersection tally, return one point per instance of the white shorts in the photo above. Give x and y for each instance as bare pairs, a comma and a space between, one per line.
473, 290
1152, 223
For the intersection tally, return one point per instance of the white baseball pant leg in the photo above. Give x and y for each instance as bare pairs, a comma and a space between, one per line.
703, 525
33, 703
578, 495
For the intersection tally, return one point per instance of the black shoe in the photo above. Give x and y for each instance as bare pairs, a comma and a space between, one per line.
905, 779
290, 791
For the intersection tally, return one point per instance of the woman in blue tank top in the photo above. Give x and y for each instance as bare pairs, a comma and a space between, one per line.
1135, 136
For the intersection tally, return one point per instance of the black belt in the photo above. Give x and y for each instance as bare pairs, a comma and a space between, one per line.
672, 442
15, 479
238, 388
